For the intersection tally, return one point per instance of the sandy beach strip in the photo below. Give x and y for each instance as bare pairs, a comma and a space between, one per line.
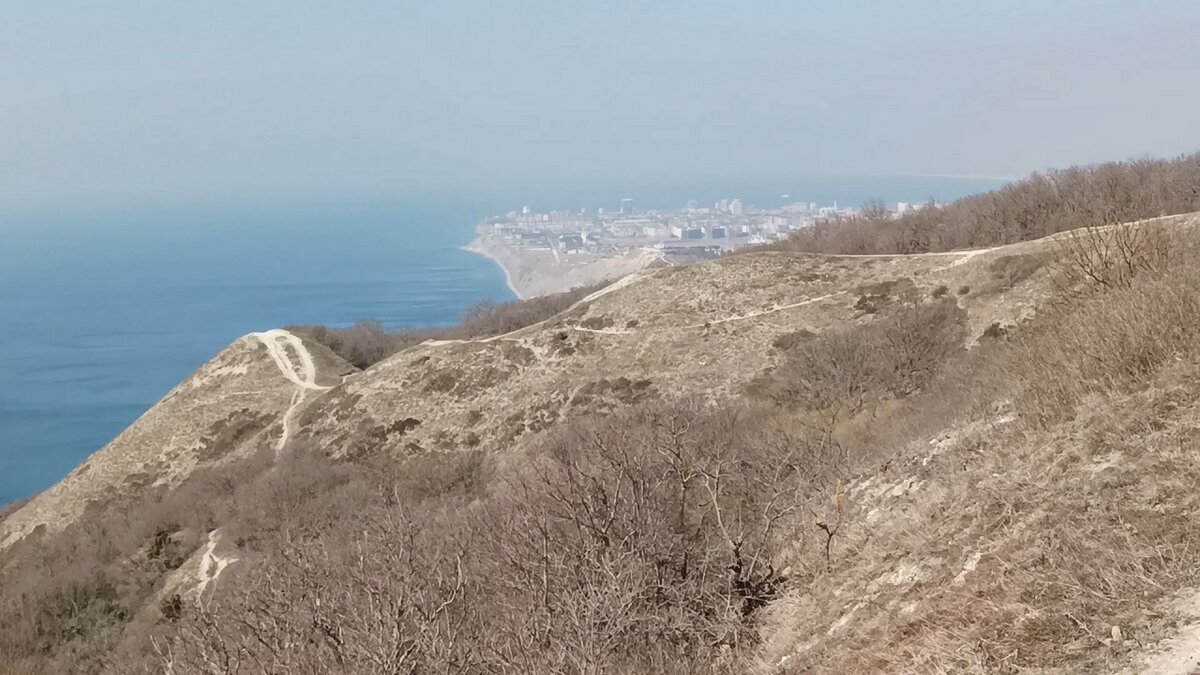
478, 248
530, 274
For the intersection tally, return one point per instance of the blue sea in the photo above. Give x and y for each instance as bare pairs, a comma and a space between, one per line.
102, 312
99, 319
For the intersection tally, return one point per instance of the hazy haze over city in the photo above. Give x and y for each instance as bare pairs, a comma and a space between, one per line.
109, 103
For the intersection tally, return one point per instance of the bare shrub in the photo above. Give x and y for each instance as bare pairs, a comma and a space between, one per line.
1009, 270
640, 545
826, 370
789, 341
69, 601
645, 542
994, 331
1125, 305
365, 343
642, 542
479, 310
387, 595
1042, 204
841, 371
302, 494
918, 341
1110, 341
488, 318
1108, 257
431, 476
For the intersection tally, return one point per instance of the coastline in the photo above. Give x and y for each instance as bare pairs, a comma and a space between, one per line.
476, 247
531, 273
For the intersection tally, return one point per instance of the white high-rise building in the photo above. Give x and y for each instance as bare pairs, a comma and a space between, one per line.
736, 208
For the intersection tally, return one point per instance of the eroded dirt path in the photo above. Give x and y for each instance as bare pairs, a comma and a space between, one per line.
1178, 653
708, 324
300, 371
277, 342
211, 566
764, 312
957, 258
296, 364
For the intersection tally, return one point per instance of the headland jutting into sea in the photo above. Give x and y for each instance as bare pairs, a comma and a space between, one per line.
544, 253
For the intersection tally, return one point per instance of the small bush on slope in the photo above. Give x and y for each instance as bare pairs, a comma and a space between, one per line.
894, 356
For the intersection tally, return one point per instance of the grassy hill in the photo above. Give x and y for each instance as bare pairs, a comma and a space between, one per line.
790, 460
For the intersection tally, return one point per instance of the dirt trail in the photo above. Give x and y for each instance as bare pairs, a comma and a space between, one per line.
211, 566
960, 257
764, 312
302, 373
616, 285
296, 364
708, 324
1178, 654
277, 342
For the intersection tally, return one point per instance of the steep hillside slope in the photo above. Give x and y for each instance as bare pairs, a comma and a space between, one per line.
243, 399
703, 329
994, 548
905, 518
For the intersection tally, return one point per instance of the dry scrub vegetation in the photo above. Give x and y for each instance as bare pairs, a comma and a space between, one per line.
368, 342
1040, 205
683, 536
649, 540
1052, 538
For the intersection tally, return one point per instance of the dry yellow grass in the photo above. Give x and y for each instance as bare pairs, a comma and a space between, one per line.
1050, 534
1002, 550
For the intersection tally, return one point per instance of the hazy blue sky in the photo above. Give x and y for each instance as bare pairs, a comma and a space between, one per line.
111, 102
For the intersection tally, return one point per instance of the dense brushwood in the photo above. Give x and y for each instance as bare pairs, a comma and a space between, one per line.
1042, 204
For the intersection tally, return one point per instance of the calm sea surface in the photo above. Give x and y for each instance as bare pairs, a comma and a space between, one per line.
99, 320
101, 315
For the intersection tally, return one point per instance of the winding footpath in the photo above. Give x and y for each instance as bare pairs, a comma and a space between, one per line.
296, 364
277, 341
302, 372
959, 258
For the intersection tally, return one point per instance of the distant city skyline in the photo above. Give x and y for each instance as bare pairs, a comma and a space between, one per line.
107, 105
685, 234
828, 192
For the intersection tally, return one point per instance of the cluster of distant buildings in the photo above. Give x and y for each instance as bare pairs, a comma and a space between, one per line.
692, 231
